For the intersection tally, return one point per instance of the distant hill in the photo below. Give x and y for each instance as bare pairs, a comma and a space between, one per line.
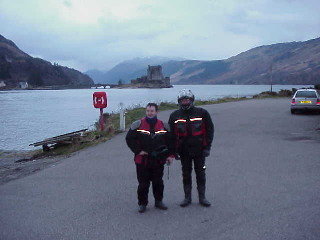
17, 66
96, 75
127, 70
290, 63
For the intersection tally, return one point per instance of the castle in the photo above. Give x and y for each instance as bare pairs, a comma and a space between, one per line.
153, 79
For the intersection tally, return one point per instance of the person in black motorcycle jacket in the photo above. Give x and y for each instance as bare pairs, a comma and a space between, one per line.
149, 140
193, 132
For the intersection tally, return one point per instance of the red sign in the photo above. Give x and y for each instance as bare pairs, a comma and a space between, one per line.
100, 99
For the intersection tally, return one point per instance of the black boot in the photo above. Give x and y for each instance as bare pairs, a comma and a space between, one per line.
187, 196
160, 205
202, 196
142, 208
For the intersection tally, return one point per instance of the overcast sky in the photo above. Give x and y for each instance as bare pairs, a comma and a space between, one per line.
87, 34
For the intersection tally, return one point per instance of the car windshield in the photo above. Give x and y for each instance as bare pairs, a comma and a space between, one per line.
306, 94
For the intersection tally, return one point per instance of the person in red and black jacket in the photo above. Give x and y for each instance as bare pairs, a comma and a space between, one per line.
149, 140
193, 132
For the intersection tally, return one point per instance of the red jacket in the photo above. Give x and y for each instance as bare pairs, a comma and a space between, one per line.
153, 139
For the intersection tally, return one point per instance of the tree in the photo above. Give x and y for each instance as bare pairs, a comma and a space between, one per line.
35, 78
5, 71
4, 68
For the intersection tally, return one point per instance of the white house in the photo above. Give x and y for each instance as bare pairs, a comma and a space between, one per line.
2, 84
23, 85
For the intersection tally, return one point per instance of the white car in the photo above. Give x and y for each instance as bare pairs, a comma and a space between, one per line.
305, 100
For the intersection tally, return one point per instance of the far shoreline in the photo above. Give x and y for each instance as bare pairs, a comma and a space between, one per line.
124, 86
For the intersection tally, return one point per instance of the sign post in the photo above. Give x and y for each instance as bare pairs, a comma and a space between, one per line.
100, 101
101, 119
122, 117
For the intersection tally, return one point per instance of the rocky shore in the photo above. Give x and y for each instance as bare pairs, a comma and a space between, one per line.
17, 164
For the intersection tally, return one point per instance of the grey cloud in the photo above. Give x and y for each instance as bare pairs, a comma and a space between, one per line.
276, 22
197, 29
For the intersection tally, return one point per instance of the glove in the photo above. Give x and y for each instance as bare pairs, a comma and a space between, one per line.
206, 152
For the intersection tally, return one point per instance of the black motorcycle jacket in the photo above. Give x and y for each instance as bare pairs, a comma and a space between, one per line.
193, 130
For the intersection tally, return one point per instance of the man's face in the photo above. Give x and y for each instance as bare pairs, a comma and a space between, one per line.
185, 101
151, 111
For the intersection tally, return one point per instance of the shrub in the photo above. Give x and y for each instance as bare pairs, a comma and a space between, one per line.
285, 93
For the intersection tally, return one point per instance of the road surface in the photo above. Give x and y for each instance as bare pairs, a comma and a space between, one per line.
263, 178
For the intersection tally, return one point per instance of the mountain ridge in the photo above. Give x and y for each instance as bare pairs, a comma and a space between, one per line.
128, 69
284, 63
17, 66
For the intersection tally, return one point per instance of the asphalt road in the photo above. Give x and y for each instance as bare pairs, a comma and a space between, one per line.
263, 178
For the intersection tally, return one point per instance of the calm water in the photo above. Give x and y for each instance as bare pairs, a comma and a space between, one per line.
29, 116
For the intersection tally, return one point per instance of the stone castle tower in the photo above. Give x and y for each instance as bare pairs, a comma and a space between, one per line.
155, 73
154, 78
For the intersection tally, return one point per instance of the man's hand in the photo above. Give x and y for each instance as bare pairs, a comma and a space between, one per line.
206, 152
143, 153
169, 160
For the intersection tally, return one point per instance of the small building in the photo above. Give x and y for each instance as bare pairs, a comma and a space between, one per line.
3, 84
23, 85
154, 78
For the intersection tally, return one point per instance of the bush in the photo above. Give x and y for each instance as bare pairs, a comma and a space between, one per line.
285, 93
267, 94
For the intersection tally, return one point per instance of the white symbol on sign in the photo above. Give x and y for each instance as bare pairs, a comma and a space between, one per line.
99, 100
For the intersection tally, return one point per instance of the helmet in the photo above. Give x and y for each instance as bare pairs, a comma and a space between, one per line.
185, 94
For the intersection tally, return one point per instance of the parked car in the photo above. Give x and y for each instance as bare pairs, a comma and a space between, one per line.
305, 100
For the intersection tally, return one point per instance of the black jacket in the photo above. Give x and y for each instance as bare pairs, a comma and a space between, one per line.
191, 143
